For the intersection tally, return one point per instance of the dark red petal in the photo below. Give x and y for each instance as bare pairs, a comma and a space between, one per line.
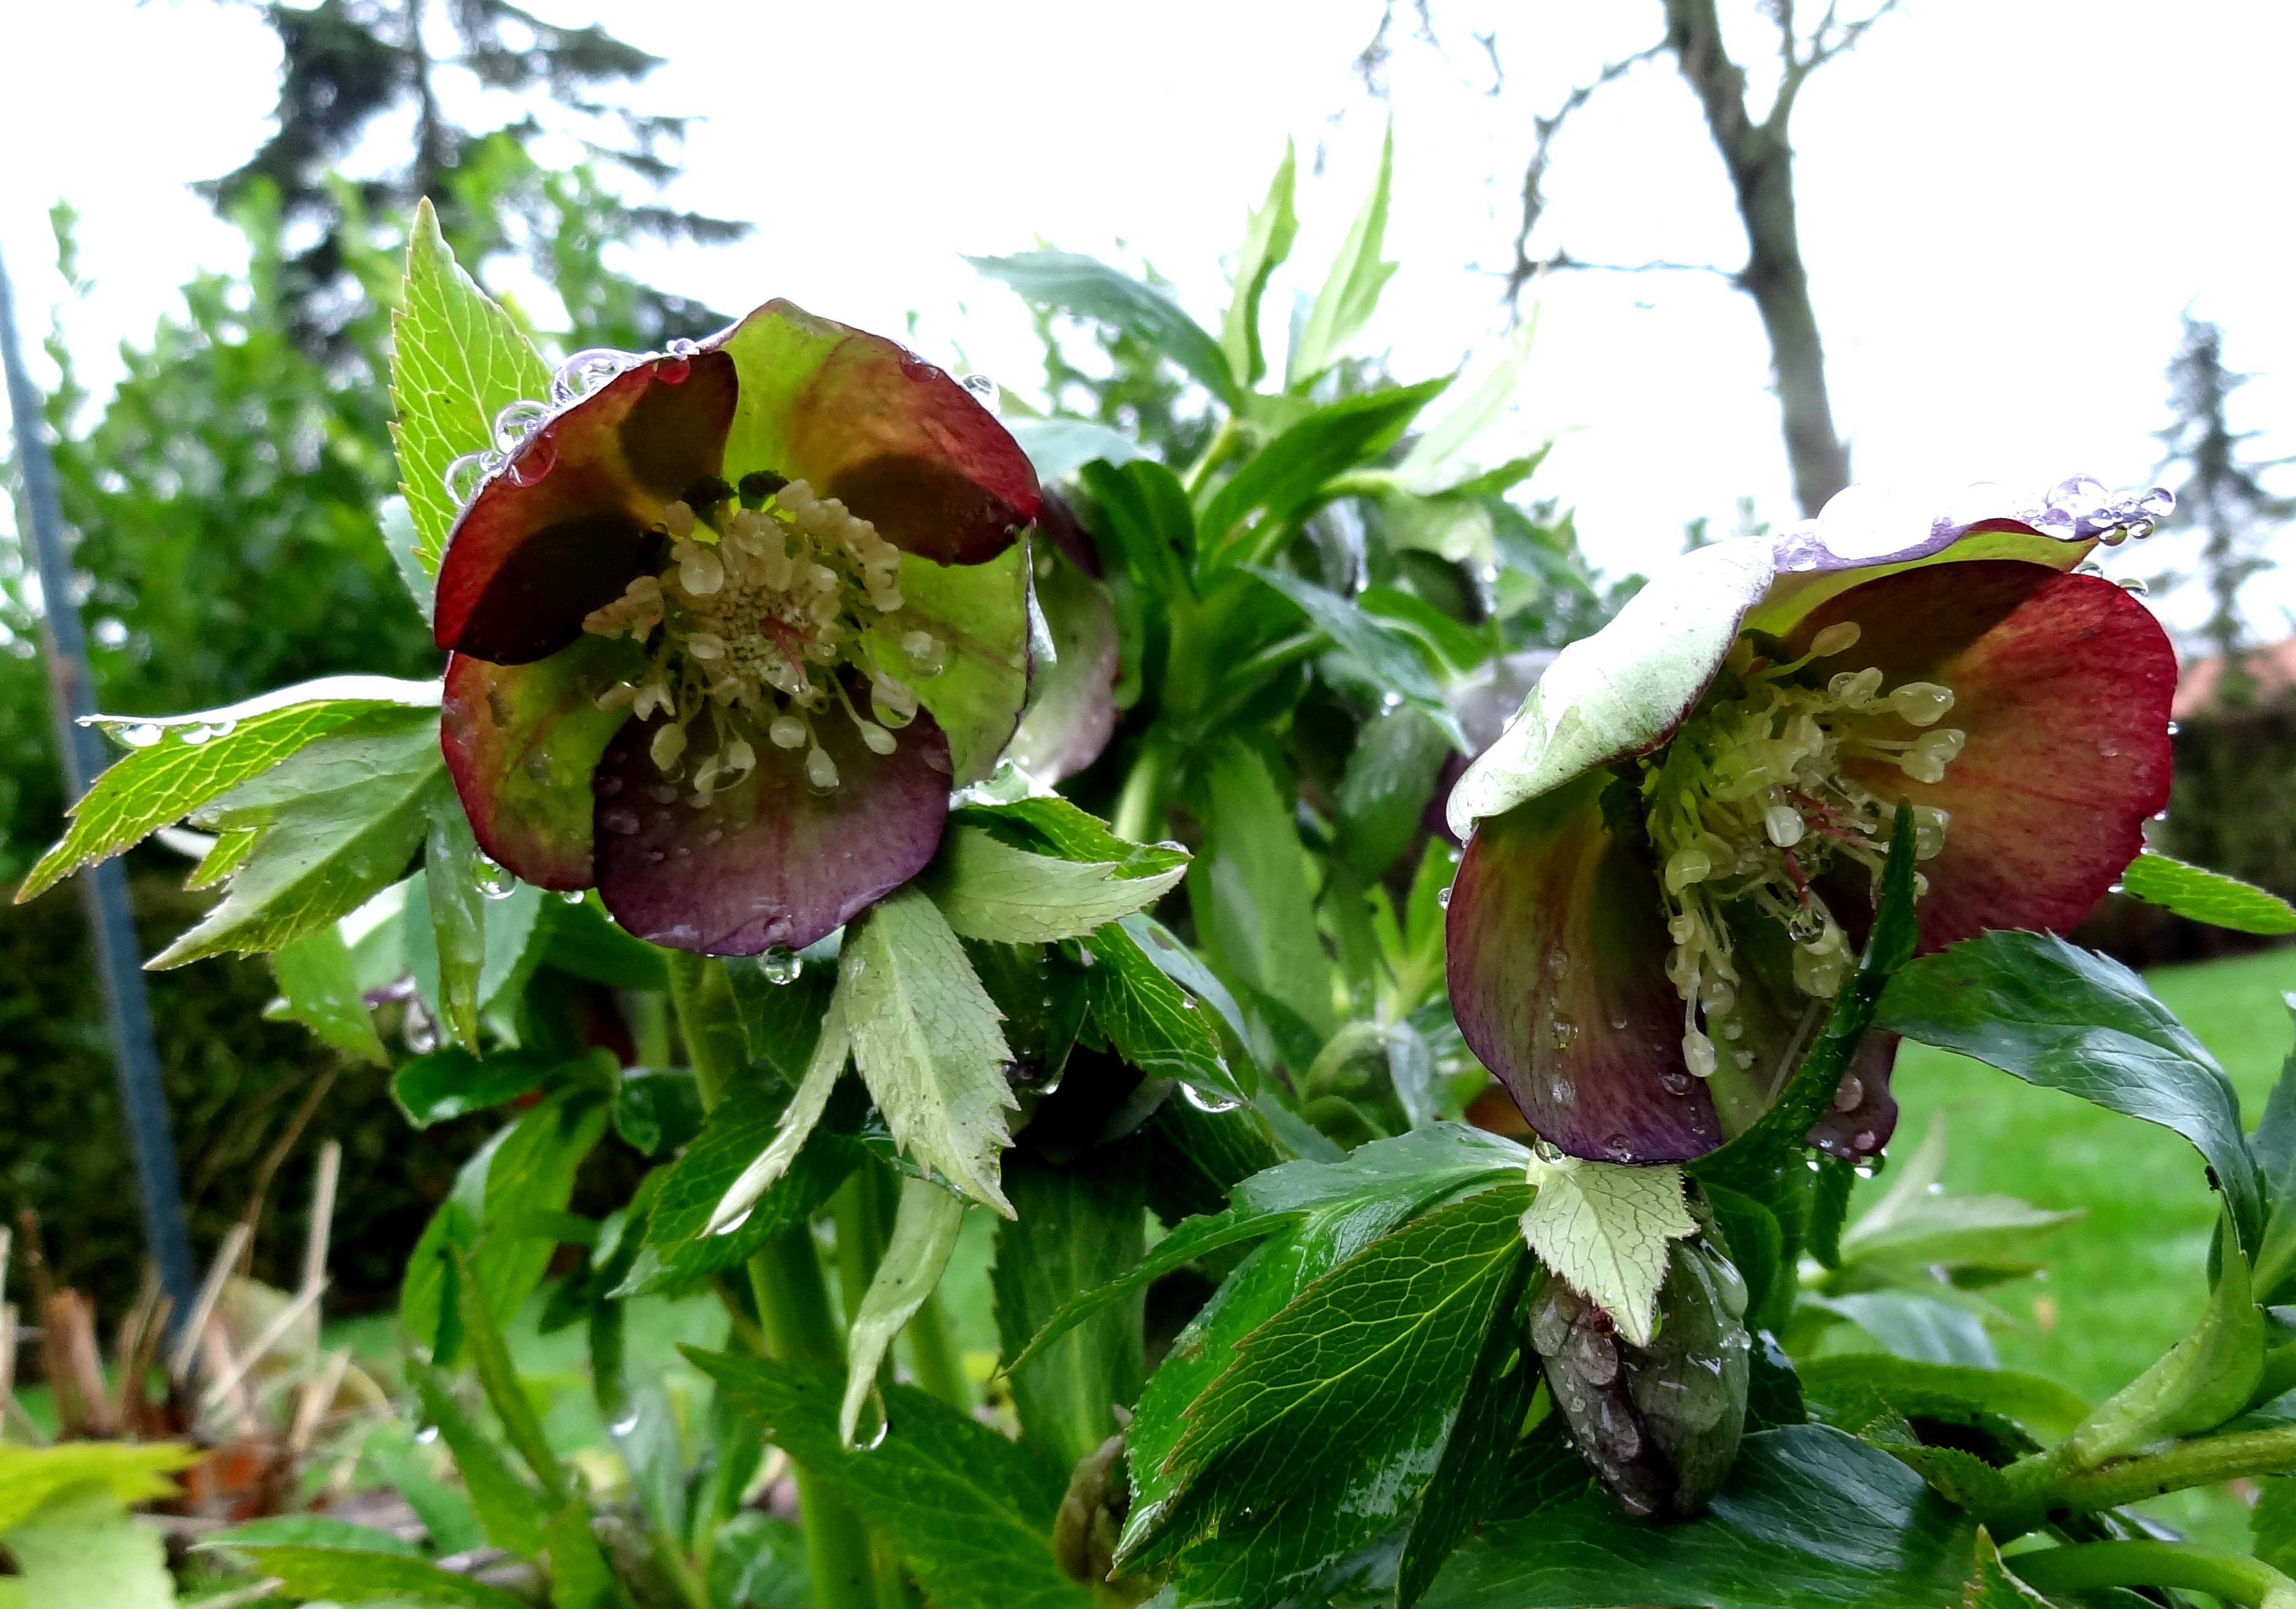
1557, 971
520, 743
527, 561
772, 861
860, 418
2062, 683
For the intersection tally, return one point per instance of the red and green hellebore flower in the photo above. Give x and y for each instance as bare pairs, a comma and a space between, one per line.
1671, 851
731, 624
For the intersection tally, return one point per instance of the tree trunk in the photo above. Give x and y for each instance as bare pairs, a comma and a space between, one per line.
1761, 163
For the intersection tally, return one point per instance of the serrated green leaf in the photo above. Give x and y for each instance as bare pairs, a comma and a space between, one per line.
1439, 449
458, 360
1286, 480
1267, 237
318, 1530
795, 1124
1329, 1382
1351, 291
925, 1234
988, 890
315, 973
346, 1575
1809, 1519
2057, 1015
2201, 895
1090, 289
1150, 1022
927, 1042
336, 823
164, 779
129, 1472
970, 1511
80, 1550
1061, 828
1603, 1228
450, 1083
512, 1513
1390, 657
1992, 1587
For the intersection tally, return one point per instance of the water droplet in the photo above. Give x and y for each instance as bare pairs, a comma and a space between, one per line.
516, 423
619, 819
224, 729
1389, 702
464, 475
915, 368
496, 881
1443, 899
570, 896
1562, 1031
1851, 1094
2157, 503
1866, 1141
139, 737
985, 391
734, 1222
425, 1435
672, 371
1546, 1150
586, 372
1203, 1101
2109, 748
539, 458
1558, 962
657, 856
624, 1425
781, 965
1618, 1148
2080, 495
1673, 1080
605, 784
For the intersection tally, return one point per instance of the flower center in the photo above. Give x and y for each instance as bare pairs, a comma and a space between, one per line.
764, 612
1748, 806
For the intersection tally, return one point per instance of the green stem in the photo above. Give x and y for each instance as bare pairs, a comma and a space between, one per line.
2230, 1577
785, 1278
680, 1570
940, 1371
1147, 791
1215, 451
2042, 1491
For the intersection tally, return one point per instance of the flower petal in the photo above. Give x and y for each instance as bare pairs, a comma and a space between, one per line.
979, 616
563, 529
1557, 972
2063, 685
859, 418
1073, 707
771, 860
1864, 1114
520, 742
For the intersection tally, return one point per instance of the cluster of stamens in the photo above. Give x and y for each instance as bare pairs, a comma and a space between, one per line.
1748, 806
768, 597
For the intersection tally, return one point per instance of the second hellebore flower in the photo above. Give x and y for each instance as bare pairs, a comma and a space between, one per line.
1671, 851
730, 624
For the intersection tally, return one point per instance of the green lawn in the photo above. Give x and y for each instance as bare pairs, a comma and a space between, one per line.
2128, 1279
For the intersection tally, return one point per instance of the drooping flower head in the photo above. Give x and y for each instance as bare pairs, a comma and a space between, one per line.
731, 622
1672, 850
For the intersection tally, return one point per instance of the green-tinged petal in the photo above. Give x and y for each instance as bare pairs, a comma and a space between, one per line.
977, 617
859, 418
520, 743
1072, 710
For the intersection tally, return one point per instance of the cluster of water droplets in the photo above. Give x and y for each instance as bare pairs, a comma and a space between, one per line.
523, 448
144, 734
2081, 506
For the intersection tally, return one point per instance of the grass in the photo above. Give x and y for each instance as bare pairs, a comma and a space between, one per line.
2129, 1279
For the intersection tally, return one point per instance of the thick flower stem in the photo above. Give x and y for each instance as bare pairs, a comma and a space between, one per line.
1147, 793
939, 1371
2228, 1576
785, 1277
2041, 1490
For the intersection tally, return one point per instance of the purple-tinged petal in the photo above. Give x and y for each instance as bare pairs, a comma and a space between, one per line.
859, 418
1864, 1114
1557, 972
772, 860
2062, 685
520, 743
563, 528
1072, 707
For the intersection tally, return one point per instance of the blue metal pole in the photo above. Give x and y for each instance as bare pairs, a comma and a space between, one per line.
144, 1103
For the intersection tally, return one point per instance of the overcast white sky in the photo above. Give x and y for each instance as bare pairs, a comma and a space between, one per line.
2005, 206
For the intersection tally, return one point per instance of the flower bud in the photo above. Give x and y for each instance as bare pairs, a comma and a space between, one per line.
1658, 1424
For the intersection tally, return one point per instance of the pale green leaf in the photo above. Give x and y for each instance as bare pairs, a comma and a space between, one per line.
1061, 447
2201, 895
1345, 303
458, 917
177, 764
458, 360
925, 1234
80, 1549
130, 1472
830, 1050
315, 973
336, 823
1431, 465
988, 889
927, 1040
1090, 289
399, 539
1603, 1228
1268, 238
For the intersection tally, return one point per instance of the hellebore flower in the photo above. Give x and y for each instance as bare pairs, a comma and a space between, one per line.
730, 623
1671, 851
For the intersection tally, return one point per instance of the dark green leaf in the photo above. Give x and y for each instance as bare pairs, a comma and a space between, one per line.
1091, 288
970, 1511
316, 1531
1384, 793
345, 1575
498, 1377
450, 1083
511, 1512
458, 918
445, 1510
758, 1558
1854, 1390
1810, 1519
579, 940
657, 1109
315, 973
1287, 479
580, 1578
2205, 896
1148, 514
1255, 910
1456, 647
336, 823
1199, 1156
1757, 1251
164, 779
2059, 1016
2272, 1522
1780, 1131
1150, 1022
782, 1020
1393, 659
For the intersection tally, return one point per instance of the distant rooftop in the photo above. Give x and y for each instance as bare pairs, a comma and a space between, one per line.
2273, 667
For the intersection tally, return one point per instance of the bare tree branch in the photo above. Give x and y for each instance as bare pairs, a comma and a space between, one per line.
1543, 131
1563, 260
